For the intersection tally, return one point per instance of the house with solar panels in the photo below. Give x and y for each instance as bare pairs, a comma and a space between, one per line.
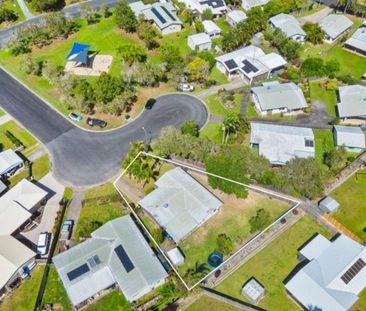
162, 15
116, 255
332, 276
250, 63
217, 7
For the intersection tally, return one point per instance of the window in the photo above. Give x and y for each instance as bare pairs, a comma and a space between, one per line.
309, 143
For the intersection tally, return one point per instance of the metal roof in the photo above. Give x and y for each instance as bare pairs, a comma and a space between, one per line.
319, 283
237, 16
278, 96
200, 38
288, 24
335, 24
328, 204
349, 136
352, 101
358, 39
315, 247
180, 204
8, 160
254, 3
145, 273
253, 290
210, 27
280, 143
218, 7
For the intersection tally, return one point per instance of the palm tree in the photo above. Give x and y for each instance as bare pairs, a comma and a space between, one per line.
198, 271
230, 125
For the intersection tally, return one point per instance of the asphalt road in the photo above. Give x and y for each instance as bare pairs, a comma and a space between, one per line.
81, 158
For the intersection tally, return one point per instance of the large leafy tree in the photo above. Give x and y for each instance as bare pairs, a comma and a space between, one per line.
314, 33
198, 70
132, 52
125, 17
107, 87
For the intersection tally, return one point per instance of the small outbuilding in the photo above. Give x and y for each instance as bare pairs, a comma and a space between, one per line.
328, 205
235, 17
253, 291
175, 256
200, 42
211, 29
352, 138
9, 162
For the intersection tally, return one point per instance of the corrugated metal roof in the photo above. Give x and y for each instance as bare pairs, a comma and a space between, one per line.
349, 136
358, 39
288, 24
352, 101
335, 24
8, 160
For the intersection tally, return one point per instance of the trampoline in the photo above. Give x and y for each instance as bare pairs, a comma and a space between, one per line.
214, 260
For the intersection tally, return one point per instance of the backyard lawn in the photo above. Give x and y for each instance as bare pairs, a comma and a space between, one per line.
207, 303
101, 204
213, 131
328, 97
272, 265
233, 220
217, 108
24, 297
113, 301
323, 143
352, 197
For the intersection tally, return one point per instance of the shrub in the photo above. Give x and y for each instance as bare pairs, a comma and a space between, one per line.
224, 244
259, 221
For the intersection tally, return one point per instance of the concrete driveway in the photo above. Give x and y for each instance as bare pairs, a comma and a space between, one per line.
81, 158
316, 17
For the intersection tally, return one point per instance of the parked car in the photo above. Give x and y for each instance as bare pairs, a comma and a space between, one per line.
66, 230
75, 117
150, 103
96, 122
43, 243
185, 88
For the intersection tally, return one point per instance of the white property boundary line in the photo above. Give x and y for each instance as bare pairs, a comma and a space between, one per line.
253, 239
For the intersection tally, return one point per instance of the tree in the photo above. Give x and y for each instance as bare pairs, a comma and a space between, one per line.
313, 67
207, 14
125, 17
47, 5
208, 57
57, 25
190, 127
7, 15
146, 74
51, 71
132, 52
89, 14
314, 33
231, 124
148, 33
336, 159
224, 244
198, 26
106, 88
331, 68
84, 95
291, 49
198, 70
172, 57
32, 66
197, 272
259, 221
104, 10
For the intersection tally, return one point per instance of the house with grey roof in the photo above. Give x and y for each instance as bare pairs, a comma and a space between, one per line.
328, 205
250, 63
180, 204
332, 276
249, 4
10, 161
352, 101
275, 97
334, 26
357, 42
234, 17
282, 143
199, 42
211, 29
117, 254
289, 25
162, 15
217, 7
351, 138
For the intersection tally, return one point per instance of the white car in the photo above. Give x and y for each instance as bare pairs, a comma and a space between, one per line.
185, 88
43, 242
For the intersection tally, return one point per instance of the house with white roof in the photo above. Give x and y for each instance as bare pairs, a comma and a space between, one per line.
162, 15
334, 26
116, 254
357, 42
211, 29
217, 7
282, 143
249, 4
250, 63
333, 276
180, 204
9, 162
289, 25
234, 17
352, 101
199, 42
351, 138
275, 97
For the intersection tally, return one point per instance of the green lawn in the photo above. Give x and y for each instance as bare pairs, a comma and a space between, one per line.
328, 97
352, 197
55, 292
272, 265
40, 168
323, 143
207, 303
232, 220
102, 204
361, 303
218, 76
316, 8
113, 301
213, 131
13, 5
225, 27
251, 112
218, 109
24, 297
20, 133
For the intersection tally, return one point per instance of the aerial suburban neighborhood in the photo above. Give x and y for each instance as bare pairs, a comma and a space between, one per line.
182, 155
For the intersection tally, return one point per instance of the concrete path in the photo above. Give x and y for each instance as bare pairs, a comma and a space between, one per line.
37, 154
5, 118
232, 85
25, 9
316, 17
132, 193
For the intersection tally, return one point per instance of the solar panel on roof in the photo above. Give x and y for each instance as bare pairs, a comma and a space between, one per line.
249, 67
353, 271
168, 13
79, 271
123, 257
158, 15
231, 64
